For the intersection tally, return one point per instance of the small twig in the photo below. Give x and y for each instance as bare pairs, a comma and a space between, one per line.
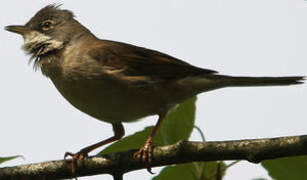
231, 164
201, 133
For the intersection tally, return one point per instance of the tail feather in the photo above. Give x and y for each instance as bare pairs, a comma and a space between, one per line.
230, 81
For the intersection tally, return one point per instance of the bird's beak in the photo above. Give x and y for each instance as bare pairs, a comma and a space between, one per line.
22, 30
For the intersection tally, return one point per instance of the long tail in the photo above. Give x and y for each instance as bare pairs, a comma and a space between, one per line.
230, 81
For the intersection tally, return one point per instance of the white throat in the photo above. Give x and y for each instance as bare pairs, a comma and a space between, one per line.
37, 44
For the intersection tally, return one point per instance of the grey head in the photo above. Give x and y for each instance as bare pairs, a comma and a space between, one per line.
48, 31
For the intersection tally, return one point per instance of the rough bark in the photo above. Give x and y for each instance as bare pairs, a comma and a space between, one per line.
254, 150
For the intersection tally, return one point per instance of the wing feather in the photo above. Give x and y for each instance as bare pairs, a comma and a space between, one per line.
146, 63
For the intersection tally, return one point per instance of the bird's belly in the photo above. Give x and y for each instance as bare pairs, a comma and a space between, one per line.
110, 101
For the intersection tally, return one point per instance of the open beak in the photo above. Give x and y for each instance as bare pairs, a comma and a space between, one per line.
18, 29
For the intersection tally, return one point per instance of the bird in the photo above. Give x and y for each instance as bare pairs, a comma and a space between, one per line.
117, 82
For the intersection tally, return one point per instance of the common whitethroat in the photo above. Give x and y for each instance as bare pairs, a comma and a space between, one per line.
117, 82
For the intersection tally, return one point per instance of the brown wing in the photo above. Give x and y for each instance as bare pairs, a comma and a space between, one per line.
138, 61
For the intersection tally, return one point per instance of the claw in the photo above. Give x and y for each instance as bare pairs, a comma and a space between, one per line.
79, 156
145, 154
68, 154
150, 170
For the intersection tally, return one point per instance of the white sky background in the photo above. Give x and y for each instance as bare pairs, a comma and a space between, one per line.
236, 37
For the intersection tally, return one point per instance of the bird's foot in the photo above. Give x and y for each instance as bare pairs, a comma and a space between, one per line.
77, 157
146, 153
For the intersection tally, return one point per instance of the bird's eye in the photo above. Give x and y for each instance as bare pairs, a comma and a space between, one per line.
47, 25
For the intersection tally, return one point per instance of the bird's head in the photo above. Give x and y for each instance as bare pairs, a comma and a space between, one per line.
49, 30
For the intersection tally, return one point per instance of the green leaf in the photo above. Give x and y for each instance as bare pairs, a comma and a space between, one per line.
287, 168
191, 171
4, 159
130, 142
177, 125
178, 172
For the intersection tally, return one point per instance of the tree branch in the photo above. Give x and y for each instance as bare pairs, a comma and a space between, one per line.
117, 164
